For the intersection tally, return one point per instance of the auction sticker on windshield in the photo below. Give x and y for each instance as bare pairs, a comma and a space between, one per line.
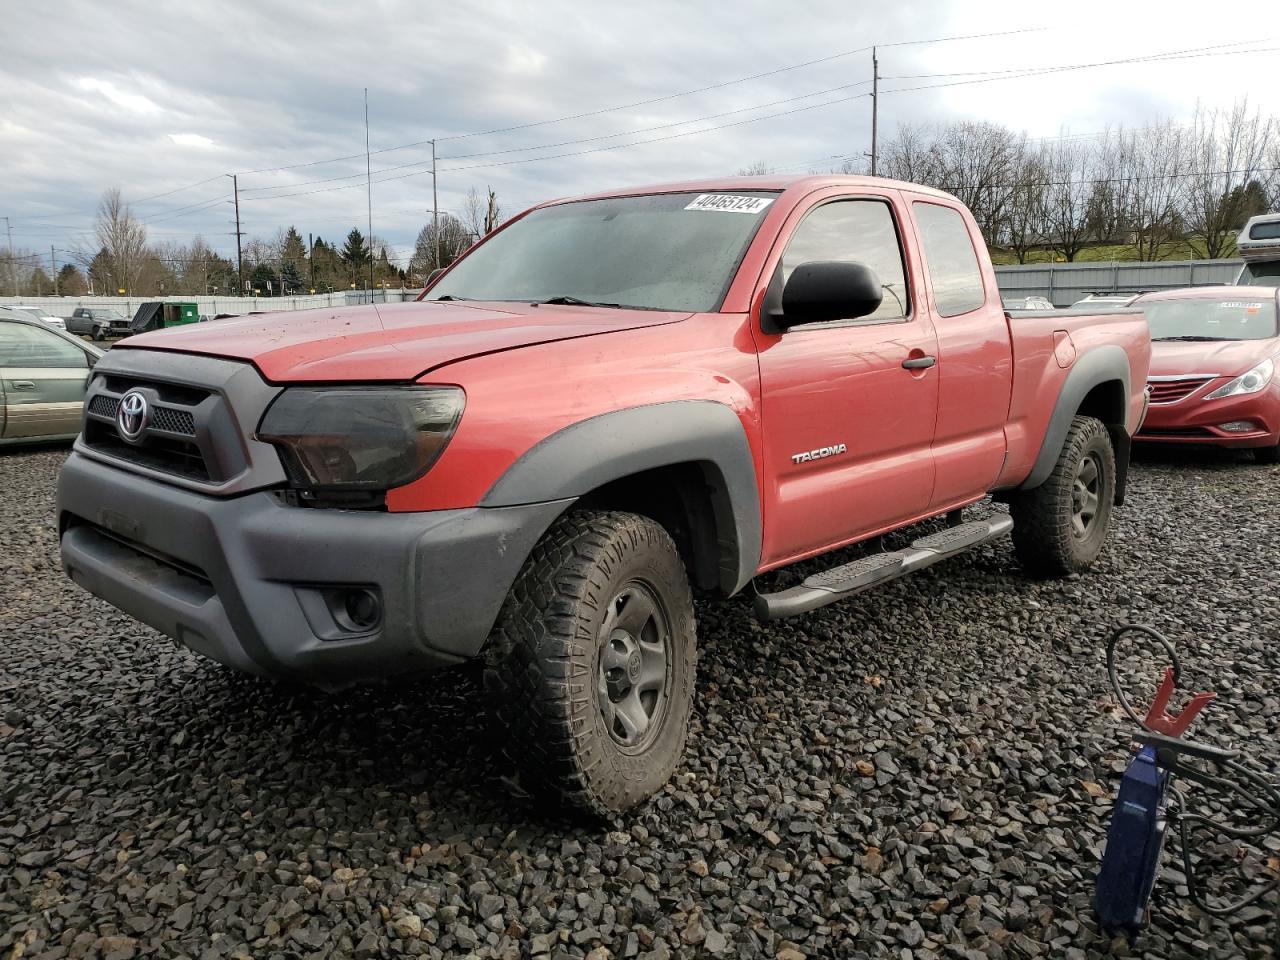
727, 203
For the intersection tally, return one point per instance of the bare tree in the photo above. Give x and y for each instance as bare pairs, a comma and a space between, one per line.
1227, 156
454, 240
1066, 166
1024, 223
978, 162
758, 169
1156, 168
123, 238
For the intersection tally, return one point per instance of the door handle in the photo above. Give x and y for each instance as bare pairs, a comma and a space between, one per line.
918, 363
23, 384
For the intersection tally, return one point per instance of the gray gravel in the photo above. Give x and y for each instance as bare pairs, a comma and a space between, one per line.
910, 774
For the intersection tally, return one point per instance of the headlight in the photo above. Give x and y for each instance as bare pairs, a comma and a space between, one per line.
360, 438
1251, 382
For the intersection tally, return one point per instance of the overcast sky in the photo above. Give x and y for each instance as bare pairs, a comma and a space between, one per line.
153, 97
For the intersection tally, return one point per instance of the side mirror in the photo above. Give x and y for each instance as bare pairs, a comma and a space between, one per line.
824, 290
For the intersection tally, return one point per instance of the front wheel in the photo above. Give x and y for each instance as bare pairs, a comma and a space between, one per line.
590, 669
98, 334
1061, 525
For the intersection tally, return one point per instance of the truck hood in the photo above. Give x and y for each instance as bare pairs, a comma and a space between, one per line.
399, 341
1227, 358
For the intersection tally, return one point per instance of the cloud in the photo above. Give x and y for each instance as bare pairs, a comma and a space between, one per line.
190, 140
130, 101
484, 77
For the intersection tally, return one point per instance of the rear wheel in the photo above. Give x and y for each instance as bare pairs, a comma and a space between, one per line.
590, 669
1061, 525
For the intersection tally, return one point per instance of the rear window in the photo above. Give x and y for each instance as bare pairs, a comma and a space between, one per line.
1268, 230
954, 274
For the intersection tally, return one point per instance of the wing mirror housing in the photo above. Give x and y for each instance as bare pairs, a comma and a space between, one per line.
824, 290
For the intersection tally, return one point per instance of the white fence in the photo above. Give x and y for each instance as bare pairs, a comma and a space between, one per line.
213, 306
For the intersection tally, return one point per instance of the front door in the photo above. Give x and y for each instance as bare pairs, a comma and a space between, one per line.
44, 378
847, 429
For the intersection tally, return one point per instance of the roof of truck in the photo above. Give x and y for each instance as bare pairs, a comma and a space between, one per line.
749, 184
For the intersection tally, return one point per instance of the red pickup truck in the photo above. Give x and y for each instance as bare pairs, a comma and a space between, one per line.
607, 402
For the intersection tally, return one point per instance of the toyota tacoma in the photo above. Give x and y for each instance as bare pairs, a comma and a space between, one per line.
608, 403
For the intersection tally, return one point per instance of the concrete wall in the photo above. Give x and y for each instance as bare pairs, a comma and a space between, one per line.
1065, 283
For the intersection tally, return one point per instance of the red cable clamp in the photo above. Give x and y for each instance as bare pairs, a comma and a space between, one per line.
1159, 721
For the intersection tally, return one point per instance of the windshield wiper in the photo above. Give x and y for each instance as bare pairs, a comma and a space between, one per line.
1191, 338
573, 302
450, 296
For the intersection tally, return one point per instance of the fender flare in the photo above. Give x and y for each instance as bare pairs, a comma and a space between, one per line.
1100, 365
586, 455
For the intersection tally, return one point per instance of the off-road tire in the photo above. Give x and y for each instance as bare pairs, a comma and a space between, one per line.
1045, 538
544, 661
98, 334
1267, 455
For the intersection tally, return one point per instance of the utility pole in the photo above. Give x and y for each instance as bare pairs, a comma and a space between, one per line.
875, 104
235, 186
8, 228
435, 207
311, 259
368, 178
53, 265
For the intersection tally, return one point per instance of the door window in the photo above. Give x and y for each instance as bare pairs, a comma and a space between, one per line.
27, 346
855, 230
954, 274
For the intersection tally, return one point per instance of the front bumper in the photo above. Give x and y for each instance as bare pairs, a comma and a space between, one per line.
246, 580
1198, 421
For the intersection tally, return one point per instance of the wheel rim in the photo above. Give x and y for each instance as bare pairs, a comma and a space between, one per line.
1086, 496
633, 675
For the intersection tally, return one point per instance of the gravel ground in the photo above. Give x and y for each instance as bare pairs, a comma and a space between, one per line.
921, 772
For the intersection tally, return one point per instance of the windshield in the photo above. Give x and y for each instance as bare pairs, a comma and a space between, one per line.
108, 315
1264, 273
1199, 319
671, 251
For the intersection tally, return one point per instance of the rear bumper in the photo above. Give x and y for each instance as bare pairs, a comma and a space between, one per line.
1197, 421
255, 584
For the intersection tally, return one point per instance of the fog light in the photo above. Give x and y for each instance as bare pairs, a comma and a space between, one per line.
363, 609
1239, 426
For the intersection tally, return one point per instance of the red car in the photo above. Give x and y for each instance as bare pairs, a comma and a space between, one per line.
606, 402
1213, 361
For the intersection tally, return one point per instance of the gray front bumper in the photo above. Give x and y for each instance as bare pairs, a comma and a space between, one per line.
239, 579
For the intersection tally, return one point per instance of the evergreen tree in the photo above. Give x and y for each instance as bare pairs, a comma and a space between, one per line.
356, 255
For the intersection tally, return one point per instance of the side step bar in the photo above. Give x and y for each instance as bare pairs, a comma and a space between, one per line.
864, 573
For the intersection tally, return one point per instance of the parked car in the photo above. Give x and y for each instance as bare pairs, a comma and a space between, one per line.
1213, 361
43, 375
1026, 303
99, 322
1104, 302
37, 313
606, 402
1259, 245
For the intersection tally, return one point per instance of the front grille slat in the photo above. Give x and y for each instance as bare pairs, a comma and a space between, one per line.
1171, 391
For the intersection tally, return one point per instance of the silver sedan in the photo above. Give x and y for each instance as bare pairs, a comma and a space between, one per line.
43, 376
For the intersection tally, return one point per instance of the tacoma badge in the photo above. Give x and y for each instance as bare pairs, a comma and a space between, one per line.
819, 454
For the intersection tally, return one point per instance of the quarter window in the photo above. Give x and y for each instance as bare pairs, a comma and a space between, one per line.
855, 230
954, 274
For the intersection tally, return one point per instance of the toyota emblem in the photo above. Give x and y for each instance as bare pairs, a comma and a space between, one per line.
132, 416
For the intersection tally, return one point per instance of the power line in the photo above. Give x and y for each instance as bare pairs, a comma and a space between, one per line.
652, 100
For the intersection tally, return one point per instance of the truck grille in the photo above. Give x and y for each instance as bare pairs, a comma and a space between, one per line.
169, 442
1171, 391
